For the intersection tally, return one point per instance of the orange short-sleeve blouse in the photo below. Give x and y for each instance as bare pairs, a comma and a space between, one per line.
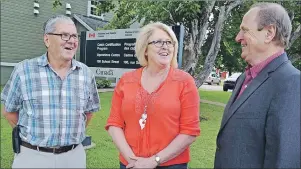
171, 110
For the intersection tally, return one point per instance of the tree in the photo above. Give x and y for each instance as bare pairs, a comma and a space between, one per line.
294, 47
229, 56
203, 21
194, 15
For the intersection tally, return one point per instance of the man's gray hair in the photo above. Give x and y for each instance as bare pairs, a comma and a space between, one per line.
49, 26
273, 13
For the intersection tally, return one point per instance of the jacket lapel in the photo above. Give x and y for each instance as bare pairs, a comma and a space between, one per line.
256, 82
236, 90
233, 97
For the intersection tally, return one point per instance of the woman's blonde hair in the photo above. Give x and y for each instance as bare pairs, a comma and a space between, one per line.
142, 42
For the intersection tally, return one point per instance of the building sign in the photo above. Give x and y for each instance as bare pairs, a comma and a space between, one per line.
110, 53
111, 49
108, 72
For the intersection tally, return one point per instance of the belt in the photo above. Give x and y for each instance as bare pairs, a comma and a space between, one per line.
55, 150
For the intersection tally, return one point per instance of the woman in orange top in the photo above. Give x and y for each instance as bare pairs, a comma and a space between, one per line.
154, 116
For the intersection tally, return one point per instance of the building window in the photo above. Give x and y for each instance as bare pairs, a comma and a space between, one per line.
92, 9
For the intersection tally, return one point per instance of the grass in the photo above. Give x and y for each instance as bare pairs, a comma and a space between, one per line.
216, 96
105, 155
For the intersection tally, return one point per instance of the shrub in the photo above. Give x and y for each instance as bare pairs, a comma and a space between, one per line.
103, 83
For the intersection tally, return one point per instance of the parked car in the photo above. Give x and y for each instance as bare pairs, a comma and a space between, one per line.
230, 82
213, 78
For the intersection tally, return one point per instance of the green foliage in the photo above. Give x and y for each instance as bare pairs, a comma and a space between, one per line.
297, 64
56, 4
105, 6
103, 83
184, 12
127, 12
199, 65
230, 52
228, 58
123, 15
294, 52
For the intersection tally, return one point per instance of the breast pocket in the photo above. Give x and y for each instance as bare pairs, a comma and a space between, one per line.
249, 122
80, 98
247, 115
33, 107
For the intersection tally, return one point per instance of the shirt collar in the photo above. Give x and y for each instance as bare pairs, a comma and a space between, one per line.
254, 70
43, 61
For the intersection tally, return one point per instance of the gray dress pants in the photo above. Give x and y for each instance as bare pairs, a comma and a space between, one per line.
29, 158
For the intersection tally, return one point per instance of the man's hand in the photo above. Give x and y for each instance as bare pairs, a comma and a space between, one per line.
12, 118
143, 162
89, 116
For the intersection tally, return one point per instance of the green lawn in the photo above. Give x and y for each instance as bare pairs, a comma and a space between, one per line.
105, 154
216, 96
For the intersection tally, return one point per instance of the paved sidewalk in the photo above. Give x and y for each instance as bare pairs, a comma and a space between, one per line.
105, 90
214, 103
203, 101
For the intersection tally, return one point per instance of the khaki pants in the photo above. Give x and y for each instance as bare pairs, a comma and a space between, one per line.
29, 158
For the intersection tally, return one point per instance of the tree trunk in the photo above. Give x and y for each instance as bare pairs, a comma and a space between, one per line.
196, 39
294, 57
215, 45
189, 56
295, 35
230, 72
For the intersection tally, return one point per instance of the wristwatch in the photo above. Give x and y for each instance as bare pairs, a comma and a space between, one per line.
157, 158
